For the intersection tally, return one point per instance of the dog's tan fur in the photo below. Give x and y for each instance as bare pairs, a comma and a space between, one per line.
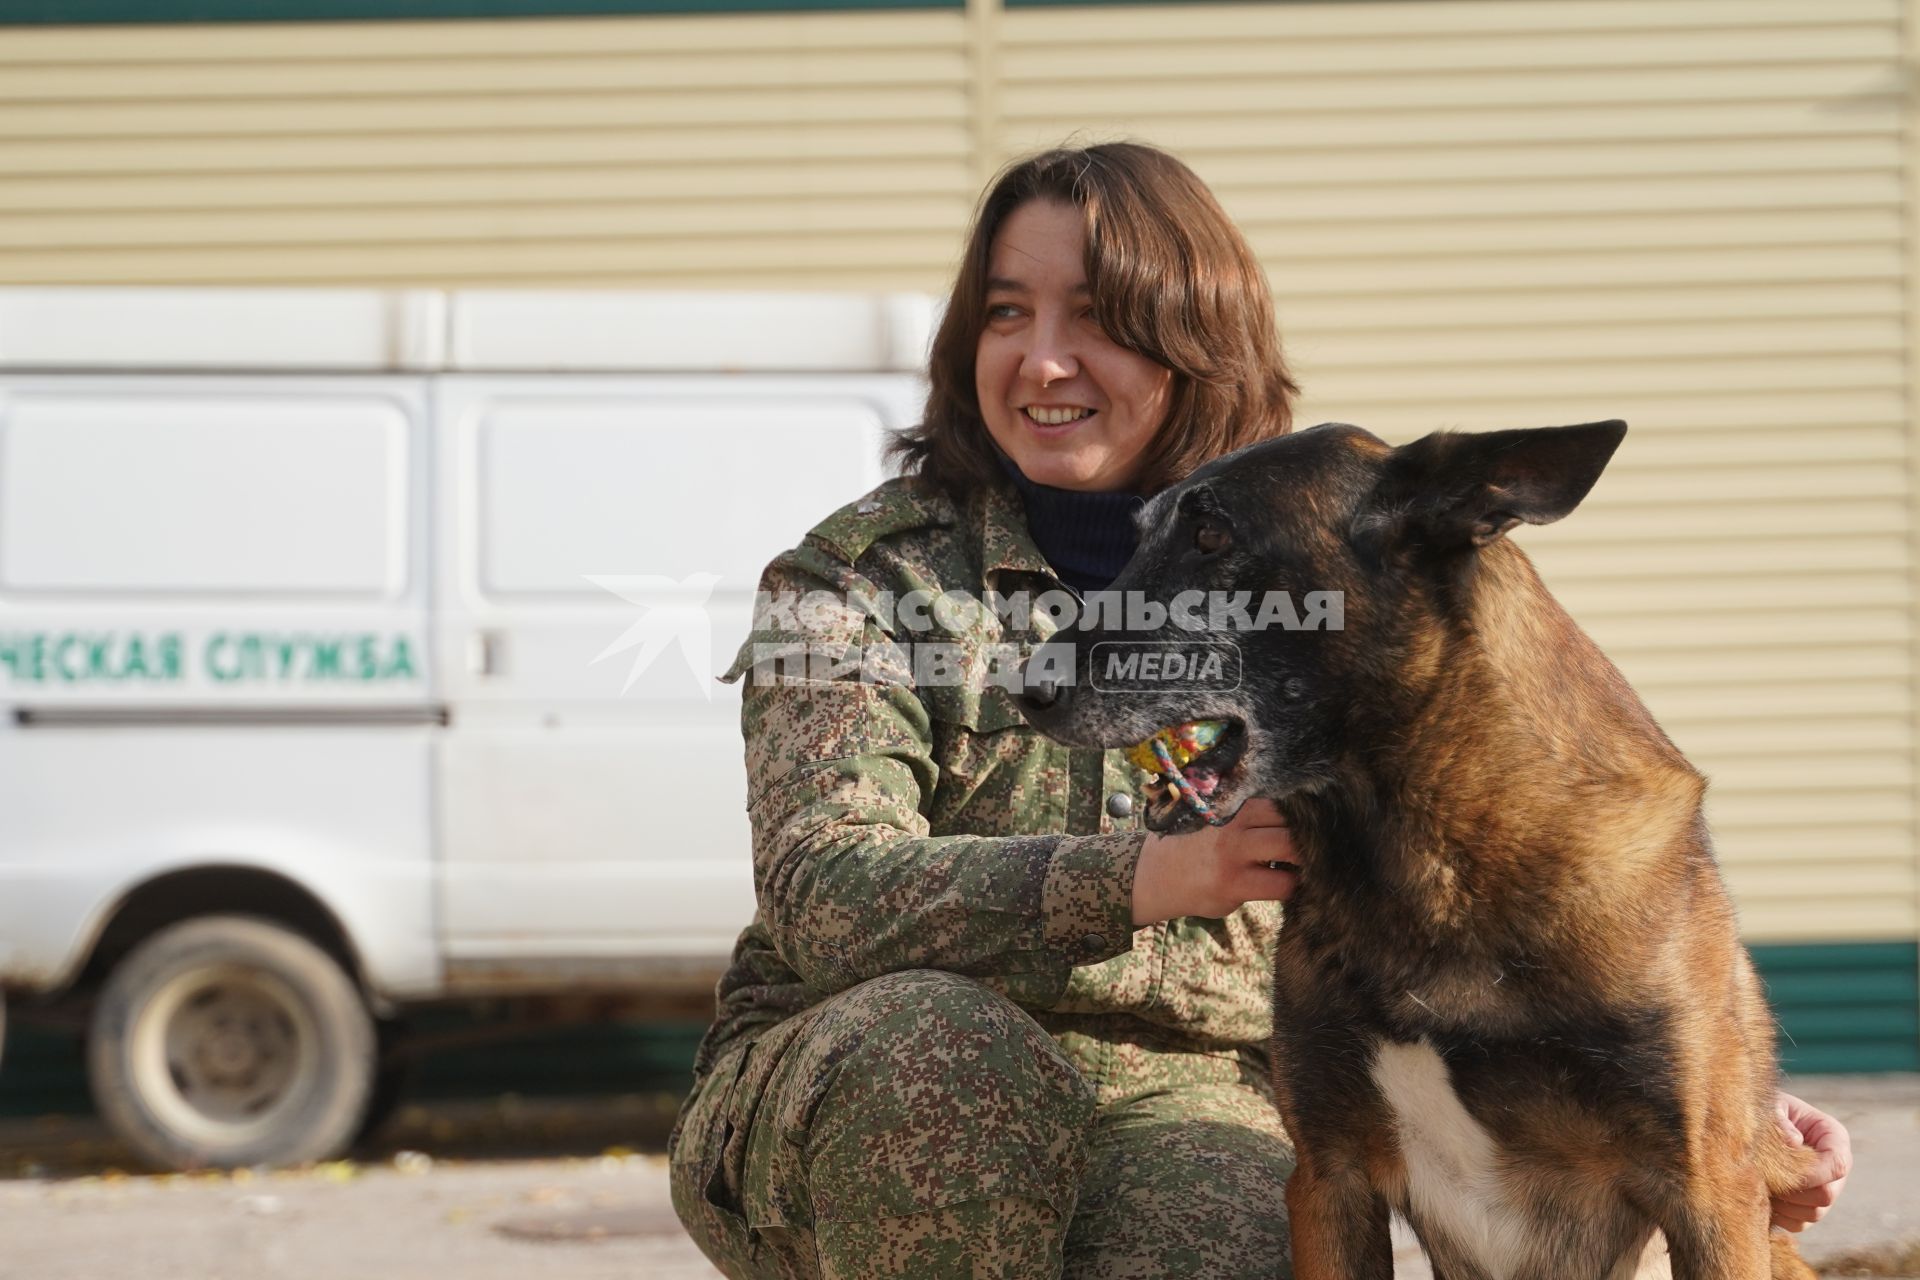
1527, 738
1506, 879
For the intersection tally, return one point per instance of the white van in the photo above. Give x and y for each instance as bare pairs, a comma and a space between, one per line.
356, 649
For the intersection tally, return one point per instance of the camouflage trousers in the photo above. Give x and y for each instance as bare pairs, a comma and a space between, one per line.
919, 1125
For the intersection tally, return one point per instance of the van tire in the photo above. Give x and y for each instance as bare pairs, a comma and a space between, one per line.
230, 1040
393, 1081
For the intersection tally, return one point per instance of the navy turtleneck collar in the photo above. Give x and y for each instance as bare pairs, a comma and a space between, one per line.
1087, 537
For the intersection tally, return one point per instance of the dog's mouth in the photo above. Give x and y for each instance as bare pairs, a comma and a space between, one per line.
1195, 770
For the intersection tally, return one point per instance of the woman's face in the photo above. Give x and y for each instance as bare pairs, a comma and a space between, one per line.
1072, 409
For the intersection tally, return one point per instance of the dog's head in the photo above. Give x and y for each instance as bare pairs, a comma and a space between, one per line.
1298, 590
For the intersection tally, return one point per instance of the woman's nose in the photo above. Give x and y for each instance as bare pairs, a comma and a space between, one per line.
1048, 359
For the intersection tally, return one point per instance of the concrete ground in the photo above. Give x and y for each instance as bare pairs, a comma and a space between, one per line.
578, 1191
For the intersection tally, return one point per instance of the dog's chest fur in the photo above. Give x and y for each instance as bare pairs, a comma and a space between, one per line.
1464, 1194
1456, 1186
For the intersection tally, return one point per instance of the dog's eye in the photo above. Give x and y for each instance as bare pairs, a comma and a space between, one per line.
1210, 537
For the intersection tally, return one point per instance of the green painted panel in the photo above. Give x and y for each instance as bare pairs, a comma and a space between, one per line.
610, 1058
44, 1072
1846, 1057
1849, 1023
1133, 4
90, 12
1845, 1006
1791, 957
1817, 986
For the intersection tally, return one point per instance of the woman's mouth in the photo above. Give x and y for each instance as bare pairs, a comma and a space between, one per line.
1050, 420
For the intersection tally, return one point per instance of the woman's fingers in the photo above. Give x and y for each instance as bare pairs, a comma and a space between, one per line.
1269, 870
1819, 1197
1274, 884
1211, 871
1794, 1217
1805, 1125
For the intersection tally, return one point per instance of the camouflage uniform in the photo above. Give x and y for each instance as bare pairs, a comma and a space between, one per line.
942, 1047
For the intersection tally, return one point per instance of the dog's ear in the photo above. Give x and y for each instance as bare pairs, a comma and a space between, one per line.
1452, 491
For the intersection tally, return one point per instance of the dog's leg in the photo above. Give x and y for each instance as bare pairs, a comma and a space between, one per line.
1784, 1168
1786, 1259
1652, 1262
1717, 1230
1339, 1224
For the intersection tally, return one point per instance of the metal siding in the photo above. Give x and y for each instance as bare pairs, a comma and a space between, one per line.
1694, 214
767, 151
1691, 215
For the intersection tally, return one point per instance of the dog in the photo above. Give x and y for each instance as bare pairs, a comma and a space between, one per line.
1510, 999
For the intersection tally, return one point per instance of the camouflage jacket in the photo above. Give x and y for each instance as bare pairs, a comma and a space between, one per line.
904, 819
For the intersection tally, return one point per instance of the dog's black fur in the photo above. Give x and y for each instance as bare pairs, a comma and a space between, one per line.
1507, 892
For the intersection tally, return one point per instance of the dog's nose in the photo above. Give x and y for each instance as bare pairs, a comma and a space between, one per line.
1039, 694
1038, 688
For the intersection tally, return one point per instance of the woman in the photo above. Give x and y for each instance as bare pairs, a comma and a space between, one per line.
982, 1024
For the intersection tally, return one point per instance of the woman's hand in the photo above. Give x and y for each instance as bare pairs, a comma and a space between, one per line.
1212, 871
1808, 1203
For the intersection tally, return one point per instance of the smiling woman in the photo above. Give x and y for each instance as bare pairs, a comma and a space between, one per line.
1104, 278
1070, 406
984, 1024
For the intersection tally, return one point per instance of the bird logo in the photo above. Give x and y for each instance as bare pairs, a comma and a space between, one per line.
674, 614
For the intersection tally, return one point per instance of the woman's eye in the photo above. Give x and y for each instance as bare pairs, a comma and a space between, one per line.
1210, 537
1002, 311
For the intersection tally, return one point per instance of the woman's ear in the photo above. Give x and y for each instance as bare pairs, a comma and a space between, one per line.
1455, 491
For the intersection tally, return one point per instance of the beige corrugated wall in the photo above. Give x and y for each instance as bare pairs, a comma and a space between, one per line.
1694, 214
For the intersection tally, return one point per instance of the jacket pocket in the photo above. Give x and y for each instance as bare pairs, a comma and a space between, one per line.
722, 1160
991, 764
754, 1176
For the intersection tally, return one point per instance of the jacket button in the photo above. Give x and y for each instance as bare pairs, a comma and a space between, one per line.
1093, 942
1119, 805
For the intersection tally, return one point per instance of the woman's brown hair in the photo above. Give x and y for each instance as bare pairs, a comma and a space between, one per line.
1172, 279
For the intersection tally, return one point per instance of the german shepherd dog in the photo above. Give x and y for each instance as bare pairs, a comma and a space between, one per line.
1510, 1000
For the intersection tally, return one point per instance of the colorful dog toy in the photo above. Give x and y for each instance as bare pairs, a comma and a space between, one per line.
1167, 754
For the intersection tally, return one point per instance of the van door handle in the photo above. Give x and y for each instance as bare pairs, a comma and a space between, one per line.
483, 653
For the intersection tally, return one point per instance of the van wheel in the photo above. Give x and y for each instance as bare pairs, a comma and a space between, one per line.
227, 1040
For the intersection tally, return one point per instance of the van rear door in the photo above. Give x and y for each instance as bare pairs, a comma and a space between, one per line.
603, 536
214, 650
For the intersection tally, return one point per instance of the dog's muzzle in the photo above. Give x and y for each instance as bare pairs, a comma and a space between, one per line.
1038, 694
